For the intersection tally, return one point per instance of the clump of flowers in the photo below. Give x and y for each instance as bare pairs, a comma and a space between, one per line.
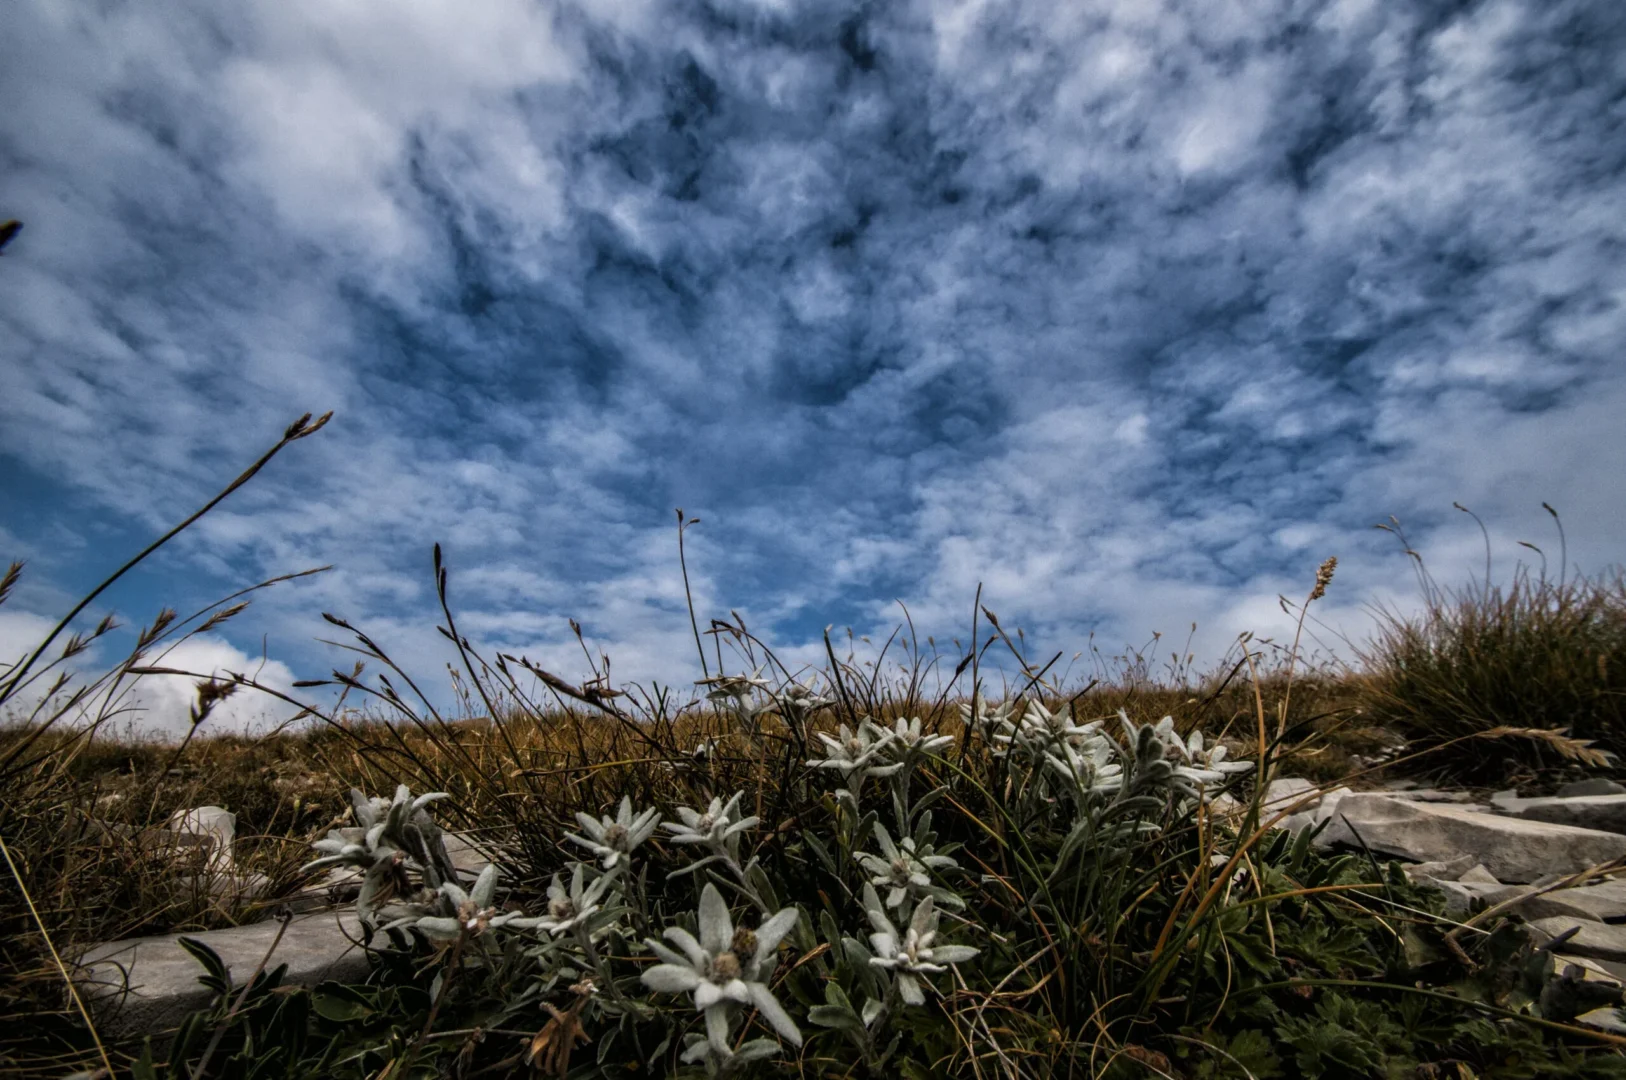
857, 755
473, 913
387, 837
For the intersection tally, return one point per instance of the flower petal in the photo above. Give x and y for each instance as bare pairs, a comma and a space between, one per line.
909, 989
670, 979
716, 929
685, 941
953, 954
485, 886
775, 1014
772, 932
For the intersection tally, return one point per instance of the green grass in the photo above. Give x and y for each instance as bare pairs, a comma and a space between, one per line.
1111, 940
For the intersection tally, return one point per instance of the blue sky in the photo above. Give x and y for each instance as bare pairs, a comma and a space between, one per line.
1132, 311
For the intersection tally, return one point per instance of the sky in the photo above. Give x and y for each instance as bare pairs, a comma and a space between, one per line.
1131, 311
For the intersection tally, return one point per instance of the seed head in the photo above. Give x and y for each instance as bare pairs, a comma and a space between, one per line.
1323, 576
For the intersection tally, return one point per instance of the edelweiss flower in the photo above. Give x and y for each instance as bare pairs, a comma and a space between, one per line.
1206, 766
989, 718
1090, 765
854, 754
733, 688
726, 967
714, 828
913, 954
908, 739
475, 911
900, 867
613, 839
570, 910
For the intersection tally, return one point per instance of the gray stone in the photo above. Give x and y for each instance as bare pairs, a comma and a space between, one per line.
1478, 873
1603, 903
1462, 898
1433, 795
1609, 1019
1285, 791
1512, 849
1597, 785
1597, 940
1606, 812
212, 826
1593, 970
1448, 870
148, 984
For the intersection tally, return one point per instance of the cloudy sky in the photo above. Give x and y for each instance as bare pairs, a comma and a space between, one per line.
1131, 310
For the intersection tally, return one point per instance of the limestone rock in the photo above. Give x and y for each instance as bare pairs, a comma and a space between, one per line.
1597, 940
148, 984
1597, 785
1609, 1020
214, 827
1512, 849
1463, 898
1606, 812
1602, 903
1447, 870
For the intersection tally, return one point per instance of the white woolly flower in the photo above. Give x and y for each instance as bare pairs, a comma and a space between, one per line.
724, 968
989, 718
714, 828
568, 910
857, 754
1091, 764
900, 867
914, 953
613, 839
475, 911
908, 739
1205, 765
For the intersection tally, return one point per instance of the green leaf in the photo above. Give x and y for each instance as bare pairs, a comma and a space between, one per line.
833, 1016
341, 1004
218, 978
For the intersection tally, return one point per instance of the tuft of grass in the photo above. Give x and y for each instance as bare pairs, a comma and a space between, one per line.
1539, 669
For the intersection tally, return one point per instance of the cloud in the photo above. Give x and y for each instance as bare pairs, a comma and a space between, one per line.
1130, 312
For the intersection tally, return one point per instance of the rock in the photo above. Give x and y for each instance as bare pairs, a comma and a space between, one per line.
1448, 870
1463, 898
1595, 970
1596, 785
1512, 849
213, 826
1609, 1020
1433, 795
1284, 791
1478, 873
1602, 903
1597, 940
469, 855
162, 977
1606, 812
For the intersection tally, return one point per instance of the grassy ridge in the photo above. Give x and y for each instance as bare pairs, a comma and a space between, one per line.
1083, 985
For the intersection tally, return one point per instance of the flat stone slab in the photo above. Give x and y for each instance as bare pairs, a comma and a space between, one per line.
149, 984
1601, 903
1597, 940
1598, 785
1512, 849
1606, 812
